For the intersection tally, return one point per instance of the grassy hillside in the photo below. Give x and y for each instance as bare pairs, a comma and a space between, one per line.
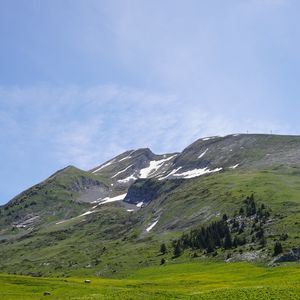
55, 230
201, 199
49, 201
114, 242
201, 280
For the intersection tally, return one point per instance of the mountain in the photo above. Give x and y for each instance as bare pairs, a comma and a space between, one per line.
232, 197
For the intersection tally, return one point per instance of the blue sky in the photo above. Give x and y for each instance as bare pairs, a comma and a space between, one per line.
84, 80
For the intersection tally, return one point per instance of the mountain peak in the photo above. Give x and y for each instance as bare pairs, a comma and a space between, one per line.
138, 193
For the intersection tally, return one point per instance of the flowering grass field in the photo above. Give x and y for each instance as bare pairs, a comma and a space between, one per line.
207, 280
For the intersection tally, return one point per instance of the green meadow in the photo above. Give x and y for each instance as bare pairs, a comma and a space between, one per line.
201, 280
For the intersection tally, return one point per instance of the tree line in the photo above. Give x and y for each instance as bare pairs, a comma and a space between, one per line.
226, 233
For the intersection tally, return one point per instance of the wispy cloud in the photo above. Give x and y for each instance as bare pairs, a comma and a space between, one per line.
82, 81
85, 126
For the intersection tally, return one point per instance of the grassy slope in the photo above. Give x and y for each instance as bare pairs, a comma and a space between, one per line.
49, 201
200, 200
76, 247
202, 280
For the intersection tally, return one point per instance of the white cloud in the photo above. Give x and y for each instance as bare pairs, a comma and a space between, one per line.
85, 126
185, 70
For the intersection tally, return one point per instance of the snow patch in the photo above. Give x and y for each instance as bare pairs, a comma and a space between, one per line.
130, 210
209, 138
121, 171
111, 199
202, 154
127, 179
196, 172
104, 166
82, 215
60, 222
127, 157
140, 204
151, 226
234, 167
171, 173
86, 213
154, 165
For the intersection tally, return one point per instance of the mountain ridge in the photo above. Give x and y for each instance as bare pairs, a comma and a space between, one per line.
138, 199
113, 178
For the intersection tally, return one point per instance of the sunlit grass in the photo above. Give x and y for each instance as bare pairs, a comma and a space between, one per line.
203, 280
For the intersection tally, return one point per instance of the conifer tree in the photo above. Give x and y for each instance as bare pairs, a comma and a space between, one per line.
177, 249
227, 240
163, 249
277, 248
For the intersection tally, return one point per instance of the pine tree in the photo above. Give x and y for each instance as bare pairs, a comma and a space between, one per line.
260, 233
163, 249
277, 248
210, 245
263, 241
235, 242
227, 240
177, 249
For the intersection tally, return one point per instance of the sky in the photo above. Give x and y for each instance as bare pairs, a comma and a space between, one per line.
84, 80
